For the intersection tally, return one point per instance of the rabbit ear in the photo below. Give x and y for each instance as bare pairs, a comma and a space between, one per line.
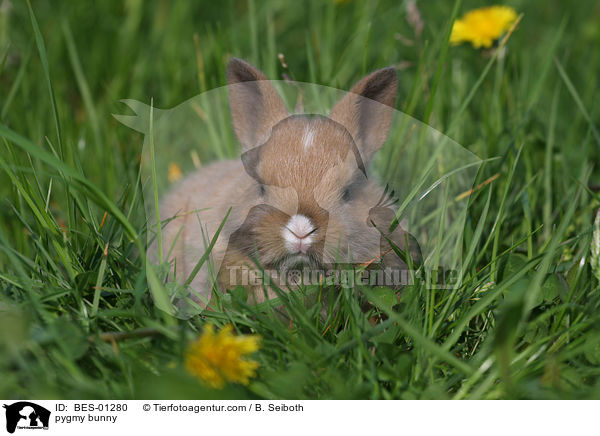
255, 104
367, 110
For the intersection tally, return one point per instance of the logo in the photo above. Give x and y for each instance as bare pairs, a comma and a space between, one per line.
26, 415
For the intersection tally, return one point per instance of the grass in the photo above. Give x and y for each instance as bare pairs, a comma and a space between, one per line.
76, 317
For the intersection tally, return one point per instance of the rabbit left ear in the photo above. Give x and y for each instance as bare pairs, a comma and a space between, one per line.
255, 104
367, 110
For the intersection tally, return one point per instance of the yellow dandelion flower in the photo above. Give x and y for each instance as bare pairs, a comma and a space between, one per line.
174, 172
481, 27
219, 358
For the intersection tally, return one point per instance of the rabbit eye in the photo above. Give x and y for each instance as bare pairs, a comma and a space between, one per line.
353, 187
261, 190
347, 194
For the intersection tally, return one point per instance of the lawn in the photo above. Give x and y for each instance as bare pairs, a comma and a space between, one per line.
77, 318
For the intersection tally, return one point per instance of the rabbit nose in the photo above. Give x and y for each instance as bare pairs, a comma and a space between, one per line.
298, 234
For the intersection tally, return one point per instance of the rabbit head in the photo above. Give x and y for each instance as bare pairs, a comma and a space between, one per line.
311, 191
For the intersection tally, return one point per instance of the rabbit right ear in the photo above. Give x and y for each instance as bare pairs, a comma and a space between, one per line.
255, 104
367, 110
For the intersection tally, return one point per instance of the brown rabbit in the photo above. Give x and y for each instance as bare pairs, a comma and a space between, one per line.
299, 197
